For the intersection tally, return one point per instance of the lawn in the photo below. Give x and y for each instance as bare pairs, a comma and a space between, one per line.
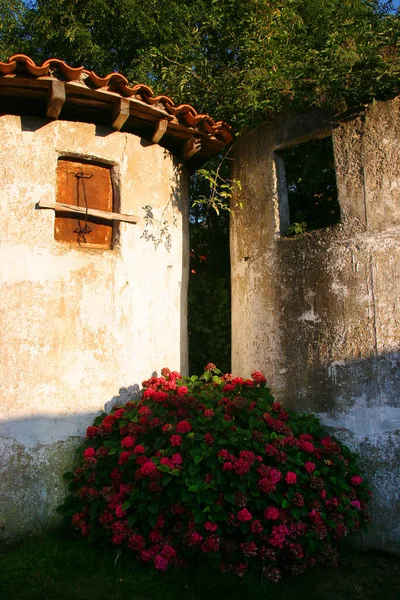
56, 567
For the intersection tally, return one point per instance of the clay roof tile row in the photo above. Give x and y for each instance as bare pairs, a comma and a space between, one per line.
117, 83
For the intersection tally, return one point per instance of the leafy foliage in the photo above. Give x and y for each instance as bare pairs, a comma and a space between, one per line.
211, 469
311, 184
241, 61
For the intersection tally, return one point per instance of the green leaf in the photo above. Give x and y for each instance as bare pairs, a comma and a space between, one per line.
164, 468
285, 504
126, 505
153, 508
132, 519
197, 459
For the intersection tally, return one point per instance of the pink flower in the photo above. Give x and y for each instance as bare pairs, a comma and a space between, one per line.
149, 468
139, 449
89, 453
128, 442
228, 466
244, 515
176, 459
211, 526
291, 477
356, 504
176, 440
183, 427
119, 512
272, 513
160, 563
256, 526
249, 549
356, 480
309, 467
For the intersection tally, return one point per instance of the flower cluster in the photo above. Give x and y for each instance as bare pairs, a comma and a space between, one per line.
211, 468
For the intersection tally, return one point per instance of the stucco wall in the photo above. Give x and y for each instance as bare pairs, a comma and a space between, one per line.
78, 324
318, 313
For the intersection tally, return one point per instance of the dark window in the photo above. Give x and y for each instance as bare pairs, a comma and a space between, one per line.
310, 182
89, 186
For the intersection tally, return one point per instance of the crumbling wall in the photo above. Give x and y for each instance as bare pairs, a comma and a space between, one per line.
78, 323
318, 313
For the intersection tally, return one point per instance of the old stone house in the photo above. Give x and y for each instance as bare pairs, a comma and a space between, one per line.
318, 312
94, 270
94, 260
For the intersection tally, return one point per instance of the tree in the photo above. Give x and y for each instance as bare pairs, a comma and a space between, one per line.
240, 61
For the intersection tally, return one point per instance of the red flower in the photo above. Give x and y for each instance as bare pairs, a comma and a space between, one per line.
183, 427
176, 440
119, 413
291, 477
209, 439
128, 442
145, 411
182, 390
123, 457
211, 526
258, 377
228, 388
208, 412
149, 468
167, 427
89, 453
244, 515
309, 467
210, 367
139, 449
356, 480
92, 432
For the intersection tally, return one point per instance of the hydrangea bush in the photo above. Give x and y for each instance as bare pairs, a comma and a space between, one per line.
211, 468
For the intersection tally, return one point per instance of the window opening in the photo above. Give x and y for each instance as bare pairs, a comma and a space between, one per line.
309, 186
87, 186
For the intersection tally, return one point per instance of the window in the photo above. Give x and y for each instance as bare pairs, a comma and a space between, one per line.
85, 185
307, 186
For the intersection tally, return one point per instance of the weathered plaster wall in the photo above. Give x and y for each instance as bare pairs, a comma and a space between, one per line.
318, 313
78, 324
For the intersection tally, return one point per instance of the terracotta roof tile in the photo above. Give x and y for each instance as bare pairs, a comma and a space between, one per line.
116, 83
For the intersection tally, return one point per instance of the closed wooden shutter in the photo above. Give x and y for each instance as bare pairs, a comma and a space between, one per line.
75, 181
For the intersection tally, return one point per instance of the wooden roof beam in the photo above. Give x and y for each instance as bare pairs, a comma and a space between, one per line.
159, 131
121, 113
55, 99
191, 147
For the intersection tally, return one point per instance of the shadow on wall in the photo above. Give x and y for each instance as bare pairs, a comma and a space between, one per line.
35, 451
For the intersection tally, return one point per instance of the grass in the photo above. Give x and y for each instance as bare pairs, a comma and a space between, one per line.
56, 567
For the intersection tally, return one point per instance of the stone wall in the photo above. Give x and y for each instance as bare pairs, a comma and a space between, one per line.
318, 313
78, 324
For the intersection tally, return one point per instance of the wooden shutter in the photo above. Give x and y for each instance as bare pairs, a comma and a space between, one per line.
75, 179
